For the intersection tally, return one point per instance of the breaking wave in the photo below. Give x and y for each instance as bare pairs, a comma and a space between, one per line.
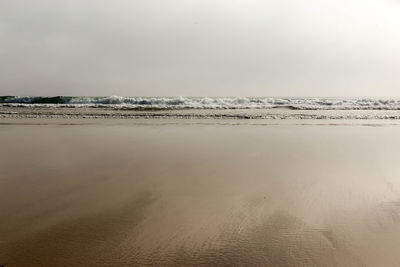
120, 102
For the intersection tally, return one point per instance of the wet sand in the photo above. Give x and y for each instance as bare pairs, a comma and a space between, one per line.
133, 193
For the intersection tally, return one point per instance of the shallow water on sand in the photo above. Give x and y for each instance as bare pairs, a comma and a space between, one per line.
74, 193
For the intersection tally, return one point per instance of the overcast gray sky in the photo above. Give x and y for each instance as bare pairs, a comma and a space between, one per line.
200, 47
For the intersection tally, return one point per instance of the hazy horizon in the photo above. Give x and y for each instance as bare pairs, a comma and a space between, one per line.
200, 48
215, 96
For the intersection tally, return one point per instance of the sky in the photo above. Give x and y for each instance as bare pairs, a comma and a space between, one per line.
200, 47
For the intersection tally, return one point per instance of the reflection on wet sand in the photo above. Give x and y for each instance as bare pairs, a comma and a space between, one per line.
131, 195
95, 235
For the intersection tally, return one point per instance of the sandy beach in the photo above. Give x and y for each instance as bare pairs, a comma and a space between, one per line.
181, 193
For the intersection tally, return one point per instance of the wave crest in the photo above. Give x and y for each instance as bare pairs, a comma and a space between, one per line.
117, 102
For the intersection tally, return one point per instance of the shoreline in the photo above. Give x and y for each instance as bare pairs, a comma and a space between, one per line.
239, 115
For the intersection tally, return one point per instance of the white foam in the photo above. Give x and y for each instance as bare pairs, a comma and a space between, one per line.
120, 102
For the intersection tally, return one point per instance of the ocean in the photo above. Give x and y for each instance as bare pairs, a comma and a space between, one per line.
236, 108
